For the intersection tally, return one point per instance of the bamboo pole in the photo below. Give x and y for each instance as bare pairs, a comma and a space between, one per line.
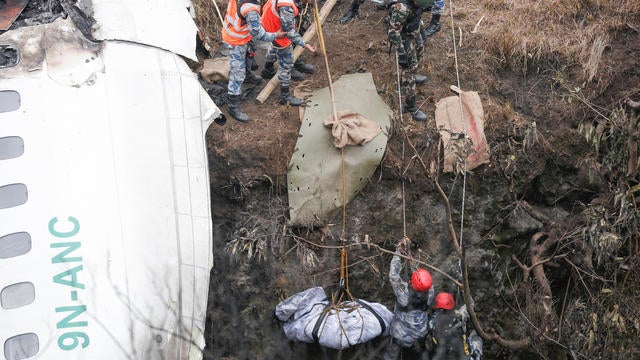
308, 35
218, 11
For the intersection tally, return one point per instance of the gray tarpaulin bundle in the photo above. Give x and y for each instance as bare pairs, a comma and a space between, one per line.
310, 316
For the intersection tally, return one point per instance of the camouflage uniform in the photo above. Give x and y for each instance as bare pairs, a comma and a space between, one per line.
237, 54
284, 56
405, 34
410, 322
438, 7
447, 329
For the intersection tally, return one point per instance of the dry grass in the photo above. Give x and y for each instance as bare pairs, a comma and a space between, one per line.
208, 21
545, 32
554, 32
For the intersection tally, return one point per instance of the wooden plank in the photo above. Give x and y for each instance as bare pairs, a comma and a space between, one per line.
308, 35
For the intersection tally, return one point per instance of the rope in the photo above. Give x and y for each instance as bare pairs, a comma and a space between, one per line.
344, 258
404, 214
344, 278
316, 18
464, 129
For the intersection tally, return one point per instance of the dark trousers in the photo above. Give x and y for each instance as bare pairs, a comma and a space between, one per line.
393, 350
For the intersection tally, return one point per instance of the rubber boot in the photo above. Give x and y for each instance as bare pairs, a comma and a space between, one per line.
352, 13
296, 75
304, 67
434, 25
287, 98
421, 79
410, 107
234, 109
269, 70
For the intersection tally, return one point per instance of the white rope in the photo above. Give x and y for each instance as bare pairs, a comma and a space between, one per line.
404, 221
464, 130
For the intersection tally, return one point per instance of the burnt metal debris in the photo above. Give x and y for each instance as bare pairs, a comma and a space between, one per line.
8, 56
18, 13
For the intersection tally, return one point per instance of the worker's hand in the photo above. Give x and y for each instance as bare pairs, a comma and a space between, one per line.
310, 48
280, 34
403, 244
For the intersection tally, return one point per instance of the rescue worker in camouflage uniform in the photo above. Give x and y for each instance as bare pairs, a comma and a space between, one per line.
409, 326
447, 329
241, 24
405, 34
281, 14
434, 26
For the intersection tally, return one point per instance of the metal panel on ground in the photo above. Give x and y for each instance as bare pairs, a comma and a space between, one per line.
314, 180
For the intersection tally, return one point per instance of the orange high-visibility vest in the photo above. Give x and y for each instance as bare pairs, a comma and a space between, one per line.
236, 32
271, 18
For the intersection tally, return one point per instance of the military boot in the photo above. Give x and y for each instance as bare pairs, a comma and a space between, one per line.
352, 13
421, 79
304, 67
269, 70
234, 109
296, 75
251, 78
412, 108
434, 25
287, 98
380, 4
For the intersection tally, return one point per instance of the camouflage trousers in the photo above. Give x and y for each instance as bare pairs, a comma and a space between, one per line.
413, 48
284, 56
438, 7
237, 64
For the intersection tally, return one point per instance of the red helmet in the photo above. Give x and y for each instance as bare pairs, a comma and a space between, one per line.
421, 280
444, 301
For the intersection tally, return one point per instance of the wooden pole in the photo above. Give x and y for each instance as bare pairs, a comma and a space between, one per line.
308, 35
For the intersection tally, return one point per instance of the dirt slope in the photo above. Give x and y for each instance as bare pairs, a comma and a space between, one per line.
552, 79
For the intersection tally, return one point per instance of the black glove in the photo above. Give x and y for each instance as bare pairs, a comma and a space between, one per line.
252, 64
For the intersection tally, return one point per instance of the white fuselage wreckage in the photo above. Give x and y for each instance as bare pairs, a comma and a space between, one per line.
105, 213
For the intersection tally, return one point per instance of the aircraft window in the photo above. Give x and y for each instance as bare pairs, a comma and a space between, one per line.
17, 295
21, 346
12, 195
9, 101
15, 244
11, 147
8, 56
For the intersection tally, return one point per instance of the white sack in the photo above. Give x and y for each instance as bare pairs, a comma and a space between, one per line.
349, 323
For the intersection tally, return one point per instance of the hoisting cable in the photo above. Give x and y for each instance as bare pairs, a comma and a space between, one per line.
344, 278
404, 221
462, 265
464, 128
323, 49
344, 273
338, 297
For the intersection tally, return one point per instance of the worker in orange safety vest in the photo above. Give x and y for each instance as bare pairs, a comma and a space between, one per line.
281, 14
241, 24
